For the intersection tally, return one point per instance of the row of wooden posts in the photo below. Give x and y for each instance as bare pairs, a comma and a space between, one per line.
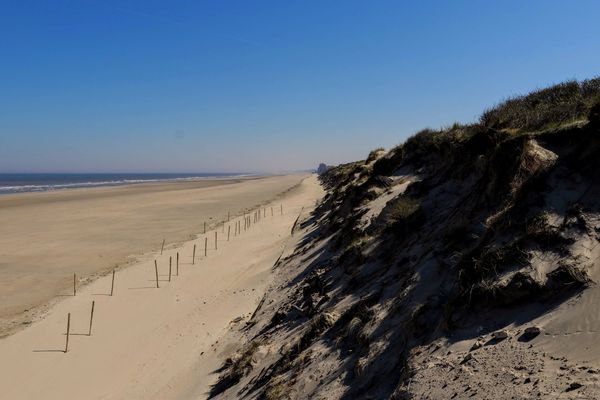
237, 231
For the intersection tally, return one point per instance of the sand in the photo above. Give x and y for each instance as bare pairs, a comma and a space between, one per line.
47, 237
150, 343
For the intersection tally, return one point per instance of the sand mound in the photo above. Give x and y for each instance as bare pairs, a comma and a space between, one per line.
458, 265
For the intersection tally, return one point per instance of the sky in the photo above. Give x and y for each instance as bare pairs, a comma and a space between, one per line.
265, 86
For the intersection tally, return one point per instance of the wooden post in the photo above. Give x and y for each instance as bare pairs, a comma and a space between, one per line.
265, 212
156, 270
162, 247
228, 231
112, 285
177, 265
205, 227
271, 211
215, 240
91, 319
170, 259
205, 245
74, 285
68, 331
194, 255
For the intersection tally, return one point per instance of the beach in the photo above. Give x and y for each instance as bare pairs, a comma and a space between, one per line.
47, 237
165, 342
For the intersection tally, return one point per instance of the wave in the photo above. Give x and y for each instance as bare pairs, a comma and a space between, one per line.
116, 182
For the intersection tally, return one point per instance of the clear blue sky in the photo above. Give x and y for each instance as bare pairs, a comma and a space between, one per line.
206, 86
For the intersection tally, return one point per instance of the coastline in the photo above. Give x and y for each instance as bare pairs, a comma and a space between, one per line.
149, 342
11, 183
49, 236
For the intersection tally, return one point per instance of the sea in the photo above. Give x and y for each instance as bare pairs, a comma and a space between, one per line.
43, 182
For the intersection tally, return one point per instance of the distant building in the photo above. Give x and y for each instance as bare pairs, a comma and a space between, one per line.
322, 168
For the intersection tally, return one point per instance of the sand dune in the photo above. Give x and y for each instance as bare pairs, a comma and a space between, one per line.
150, 343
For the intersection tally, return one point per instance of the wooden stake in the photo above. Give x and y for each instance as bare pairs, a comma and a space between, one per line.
74, 285
91, 319
112, 285
271, 211
205, 245
177, 265
205, 227
156, 270
170, 259
68, 331
194, 255
215, 240
228, 231
162, 247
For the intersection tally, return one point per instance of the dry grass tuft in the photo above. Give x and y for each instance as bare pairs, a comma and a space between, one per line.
277, 389
241, 365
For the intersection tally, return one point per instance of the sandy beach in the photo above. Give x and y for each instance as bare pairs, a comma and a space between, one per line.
48, 237
158, 343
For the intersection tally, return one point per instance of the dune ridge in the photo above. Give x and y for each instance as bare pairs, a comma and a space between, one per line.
461, 264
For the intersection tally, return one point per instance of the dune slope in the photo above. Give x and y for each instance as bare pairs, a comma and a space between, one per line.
461, 264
